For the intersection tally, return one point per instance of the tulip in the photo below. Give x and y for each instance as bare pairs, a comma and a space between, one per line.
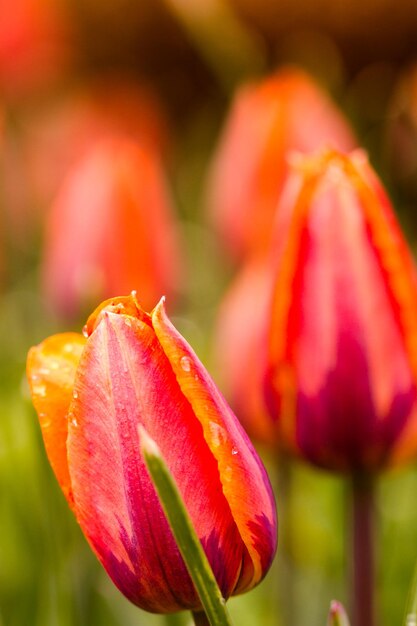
269, 119
34, 38
342, 363
111, 227
94, 394
337, 615
331, 337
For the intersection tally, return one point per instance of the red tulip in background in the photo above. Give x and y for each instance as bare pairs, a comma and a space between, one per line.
332, 336
91, 393
268, 119
111, 228
54, 136
33, 44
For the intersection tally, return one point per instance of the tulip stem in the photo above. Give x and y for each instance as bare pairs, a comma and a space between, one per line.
363, 550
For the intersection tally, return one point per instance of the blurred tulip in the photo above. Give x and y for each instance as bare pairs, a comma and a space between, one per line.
110, 228
92, 394
268, 120
33, 44
241, 344
337, 615
335, 352
53, 136
56, 135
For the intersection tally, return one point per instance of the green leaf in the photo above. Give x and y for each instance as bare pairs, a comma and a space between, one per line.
411, 606
188, 543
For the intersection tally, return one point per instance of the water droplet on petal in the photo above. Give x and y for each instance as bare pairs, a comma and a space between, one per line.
235, 451
128, 321
85, 330
74, 421
185, 363
68, 347
75, 394
217, 434
39, 389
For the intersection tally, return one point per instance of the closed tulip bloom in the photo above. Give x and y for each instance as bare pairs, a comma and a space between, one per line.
34, 44
268, 119
342, 354
92, 393
111, 229
240, 346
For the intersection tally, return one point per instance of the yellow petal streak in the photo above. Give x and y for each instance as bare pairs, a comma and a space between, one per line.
51, 368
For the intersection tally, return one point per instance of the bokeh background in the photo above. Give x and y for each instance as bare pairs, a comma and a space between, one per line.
190, 56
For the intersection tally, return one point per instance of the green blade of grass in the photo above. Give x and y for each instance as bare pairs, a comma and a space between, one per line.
188, 543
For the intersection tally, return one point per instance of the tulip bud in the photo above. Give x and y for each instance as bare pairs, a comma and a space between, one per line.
133, 370
111, 228
337, 615
334, 348
34, 44
342, 350
268, 120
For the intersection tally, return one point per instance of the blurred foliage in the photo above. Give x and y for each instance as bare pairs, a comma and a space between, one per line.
48, 575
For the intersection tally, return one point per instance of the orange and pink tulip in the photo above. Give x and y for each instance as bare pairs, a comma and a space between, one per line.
92, 392
268, 120
334, 347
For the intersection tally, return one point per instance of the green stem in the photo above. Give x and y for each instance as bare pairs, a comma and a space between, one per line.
286, 603
363, 610
187, 540
410, 618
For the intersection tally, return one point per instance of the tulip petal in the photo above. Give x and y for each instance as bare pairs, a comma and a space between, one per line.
51, 368
243, 478
125, 380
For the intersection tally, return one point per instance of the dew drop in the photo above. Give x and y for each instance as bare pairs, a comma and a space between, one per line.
128, 322
217, 434
39, 389
74, 421
45, 371
68, 347
75, 394
235, 451
185, 363
85, 330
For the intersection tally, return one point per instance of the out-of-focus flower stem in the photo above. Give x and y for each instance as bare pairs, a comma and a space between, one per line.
228, 47
215, 612
410, 618
286, 603
363, 609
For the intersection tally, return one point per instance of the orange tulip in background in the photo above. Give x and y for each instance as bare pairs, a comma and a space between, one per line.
111, 228
268, 119
332, 338
92, 394
53, 136
34, 44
